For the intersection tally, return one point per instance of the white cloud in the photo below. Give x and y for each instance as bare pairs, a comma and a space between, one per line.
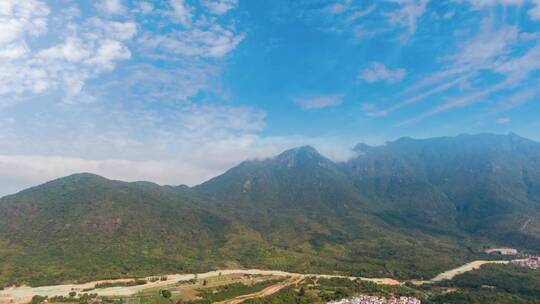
491, 50
342, 17
519, 68
338, 7
72, 50
145, 7
357, 14
534, 12
181, 12
151, 84
449, 82
13, 51
108, 52
214, 41
319, 102
201, 37
379, 72
449, 14
84, 51
19, 19
517, 99
84, 48
487, 46
112, 7
515, 70
528, 36
408, 13
486, 3
219, 7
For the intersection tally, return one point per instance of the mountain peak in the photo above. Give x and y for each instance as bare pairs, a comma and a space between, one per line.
304, 151
301, 155
78, 179
83, 177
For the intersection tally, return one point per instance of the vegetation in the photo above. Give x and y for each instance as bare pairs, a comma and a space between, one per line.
231, 291
495, 284
167, 294
117, 284
408, 209
188, 282
321, 291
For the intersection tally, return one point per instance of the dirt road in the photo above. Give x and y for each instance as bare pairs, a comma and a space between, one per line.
265, 292
23, 294
450, 274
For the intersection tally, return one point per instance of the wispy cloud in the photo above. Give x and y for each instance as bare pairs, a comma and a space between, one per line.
533, 12
517, 99
112, 7
338, 7
379, 72
319, 102
407, 14
213, 42
459, 102
219, 7
360, 13
491, 50
201, 37
441, 87
181, 12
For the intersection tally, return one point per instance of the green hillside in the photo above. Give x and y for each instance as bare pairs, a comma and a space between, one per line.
406, 209
85, 226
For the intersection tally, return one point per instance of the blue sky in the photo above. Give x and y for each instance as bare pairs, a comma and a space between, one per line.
177, 91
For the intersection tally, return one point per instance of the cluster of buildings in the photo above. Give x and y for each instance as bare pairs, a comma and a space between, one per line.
378, 300
531, 262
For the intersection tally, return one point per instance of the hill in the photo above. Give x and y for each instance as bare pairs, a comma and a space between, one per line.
85, 226
409, 208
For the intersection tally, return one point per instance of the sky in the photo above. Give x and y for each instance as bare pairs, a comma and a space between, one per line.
178, 91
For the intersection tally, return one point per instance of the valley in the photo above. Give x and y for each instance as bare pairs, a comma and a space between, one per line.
25, 294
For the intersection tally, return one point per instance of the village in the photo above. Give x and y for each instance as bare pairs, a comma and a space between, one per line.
530, 262
524, 260
378, 300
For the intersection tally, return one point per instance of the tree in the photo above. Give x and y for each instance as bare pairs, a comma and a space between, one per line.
38, 299
167, 294
72, 294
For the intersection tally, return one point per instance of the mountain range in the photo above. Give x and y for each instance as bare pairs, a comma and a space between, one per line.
406, 209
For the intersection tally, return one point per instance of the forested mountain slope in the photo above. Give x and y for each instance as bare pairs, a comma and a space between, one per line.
409, 208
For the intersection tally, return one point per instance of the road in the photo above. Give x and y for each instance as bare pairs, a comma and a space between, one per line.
265, 292
23, 294
450, 274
